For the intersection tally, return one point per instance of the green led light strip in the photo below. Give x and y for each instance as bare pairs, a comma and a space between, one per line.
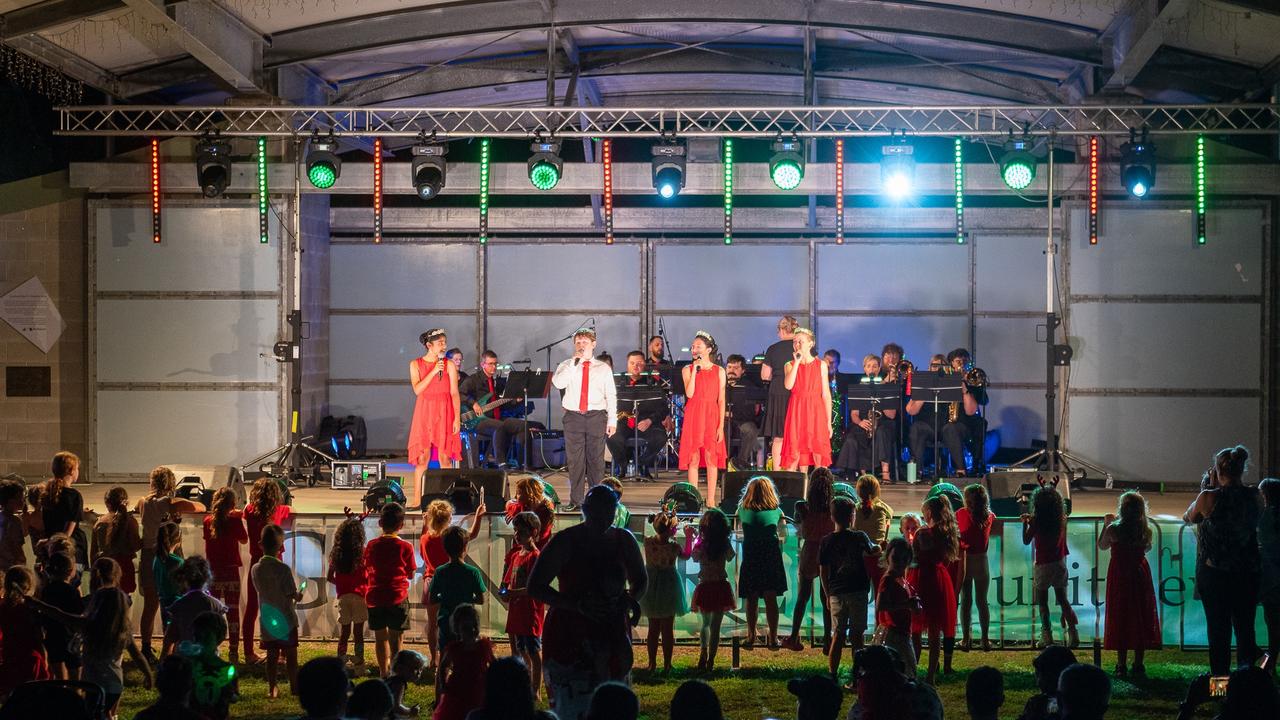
484, 191
728, 191
959, 166
1201, 235
264, 202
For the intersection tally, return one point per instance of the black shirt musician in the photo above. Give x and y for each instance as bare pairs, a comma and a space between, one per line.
501, 422
647, 422
745, 414
657, 352
961, 424
868, 444
773, 371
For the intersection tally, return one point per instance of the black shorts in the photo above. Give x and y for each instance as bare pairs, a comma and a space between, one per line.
390, 617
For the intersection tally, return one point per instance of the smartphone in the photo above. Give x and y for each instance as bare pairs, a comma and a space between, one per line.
1218, 686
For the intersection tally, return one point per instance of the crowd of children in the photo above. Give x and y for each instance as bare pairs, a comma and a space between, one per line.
911, 587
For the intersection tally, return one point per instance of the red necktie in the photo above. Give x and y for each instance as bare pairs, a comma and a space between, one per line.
495, 412
586, 380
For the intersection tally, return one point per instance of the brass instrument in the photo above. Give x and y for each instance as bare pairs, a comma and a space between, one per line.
975, 378
897, 373
873, 416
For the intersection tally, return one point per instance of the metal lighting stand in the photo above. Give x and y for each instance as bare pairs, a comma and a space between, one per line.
295, 460
1052, 456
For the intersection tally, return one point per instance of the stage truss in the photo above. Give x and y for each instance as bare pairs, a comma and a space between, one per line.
822, 121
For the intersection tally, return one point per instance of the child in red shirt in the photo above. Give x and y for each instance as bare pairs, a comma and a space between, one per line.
524, 614
224, 533
1046, 526
895, 601
435, 520
974, 522
347, 574
389, 563
266, 507
22, 655
531, 497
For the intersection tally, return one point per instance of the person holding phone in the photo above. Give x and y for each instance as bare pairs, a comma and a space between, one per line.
590, 405
436, 419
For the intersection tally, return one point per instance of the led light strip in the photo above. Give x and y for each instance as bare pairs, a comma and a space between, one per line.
1093, 189
839, 192
728, 191
264, 202
377, 190
606, 157
484, 191
959, 167
1201, 235
155, 190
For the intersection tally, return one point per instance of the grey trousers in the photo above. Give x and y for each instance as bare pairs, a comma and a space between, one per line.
584, 451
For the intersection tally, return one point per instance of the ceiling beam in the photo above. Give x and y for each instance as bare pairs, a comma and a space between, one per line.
70, 64
950, 22
1138, 39
50, 13
210, 34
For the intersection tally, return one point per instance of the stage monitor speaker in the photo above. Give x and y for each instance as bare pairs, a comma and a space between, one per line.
790, 487
464, 488
198, 483
1010, 490
382, 493
684, 496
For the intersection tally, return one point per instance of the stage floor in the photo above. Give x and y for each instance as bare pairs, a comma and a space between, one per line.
645, 497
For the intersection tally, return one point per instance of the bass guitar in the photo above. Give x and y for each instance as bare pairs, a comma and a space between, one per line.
471, 420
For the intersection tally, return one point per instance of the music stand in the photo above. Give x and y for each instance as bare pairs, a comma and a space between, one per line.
637, 395
868, 397
526, 384
937, 388
744, 393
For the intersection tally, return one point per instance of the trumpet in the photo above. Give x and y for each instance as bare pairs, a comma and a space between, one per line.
897, 372
975, 377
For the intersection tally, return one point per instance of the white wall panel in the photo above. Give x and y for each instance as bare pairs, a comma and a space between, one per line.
514, 337
390, 275
1146, 251
1008, 351
380, 347
921, 337
1168, 439
214, 340
1010, 274
139, 429
745, 336
893, 276
1164, 345
731, 277
564, 276
202, 248
1018, 414
387, 411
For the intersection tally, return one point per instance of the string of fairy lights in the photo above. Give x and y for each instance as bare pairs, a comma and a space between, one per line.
1017, 169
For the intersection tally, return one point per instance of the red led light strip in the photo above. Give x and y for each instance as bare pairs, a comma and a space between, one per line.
155, 190
606, 157
839, 192
377, 190
1093, 189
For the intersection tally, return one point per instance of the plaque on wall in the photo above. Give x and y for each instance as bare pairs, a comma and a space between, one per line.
28, 381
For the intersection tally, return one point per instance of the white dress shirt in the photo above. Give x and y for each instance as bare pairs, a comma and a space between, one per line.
601, 395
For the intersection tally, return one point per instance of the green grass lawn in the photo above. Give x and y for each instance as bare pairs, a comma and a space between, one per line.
758, 690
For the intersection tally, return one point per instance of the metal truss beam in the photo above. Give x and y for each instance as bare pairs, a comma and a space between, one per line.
212, 35
933, 179
822, 121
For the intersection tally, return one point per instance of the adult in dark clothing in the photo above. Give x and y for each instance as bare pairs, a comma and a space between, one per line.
647, 423
773, 371
499, 423
744, 414
62, 506
1227, 562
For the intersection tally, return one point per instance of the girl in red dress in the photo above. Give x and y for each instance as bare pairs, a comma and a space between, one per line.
1131, 619
435, 413
806, 441
702, 435
21, 633
460, 682
224, 533
935, 547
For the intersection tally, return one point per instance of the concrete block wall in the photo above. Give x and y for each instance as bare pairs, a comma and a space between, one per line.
43, 233
314, 220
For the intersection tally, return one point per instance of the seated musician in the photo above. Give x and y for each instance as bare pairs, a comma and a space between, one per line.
856, 454
890, 357
744, 414
454, 355
953, 422
970, 426
647, 424
501, 422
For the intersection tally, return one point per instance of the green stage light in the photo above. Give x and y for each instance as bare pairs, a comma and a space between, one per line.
323, 165
1017, 164
786, 167
545, 165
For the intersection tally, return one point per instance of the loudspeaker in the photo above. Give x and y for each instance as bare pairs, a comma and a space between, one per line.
790, 487
1010, 489
546, 449
381, 493
464, 487
686, 497
198, 483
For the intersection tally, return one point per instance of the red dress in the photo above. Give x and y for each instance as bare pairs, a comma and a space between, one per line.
1131, 619
22, 642
433, 556
524, 614
433, 414
932, 580
808, 428
702, 420
464, 688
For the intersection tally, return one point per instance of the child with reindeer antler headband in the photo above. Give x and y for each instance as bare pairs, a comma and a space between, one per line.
1046, 526
663, 599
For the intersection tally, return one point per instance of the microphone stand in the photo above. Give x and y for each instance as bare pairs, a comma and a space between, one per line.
550, 367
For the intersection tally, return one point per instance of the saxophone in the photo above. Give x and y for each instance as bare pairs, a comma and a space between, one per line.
874, 418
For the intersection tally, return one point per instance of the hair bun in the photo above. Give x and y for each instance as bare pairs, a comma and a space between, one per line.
1240, 453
